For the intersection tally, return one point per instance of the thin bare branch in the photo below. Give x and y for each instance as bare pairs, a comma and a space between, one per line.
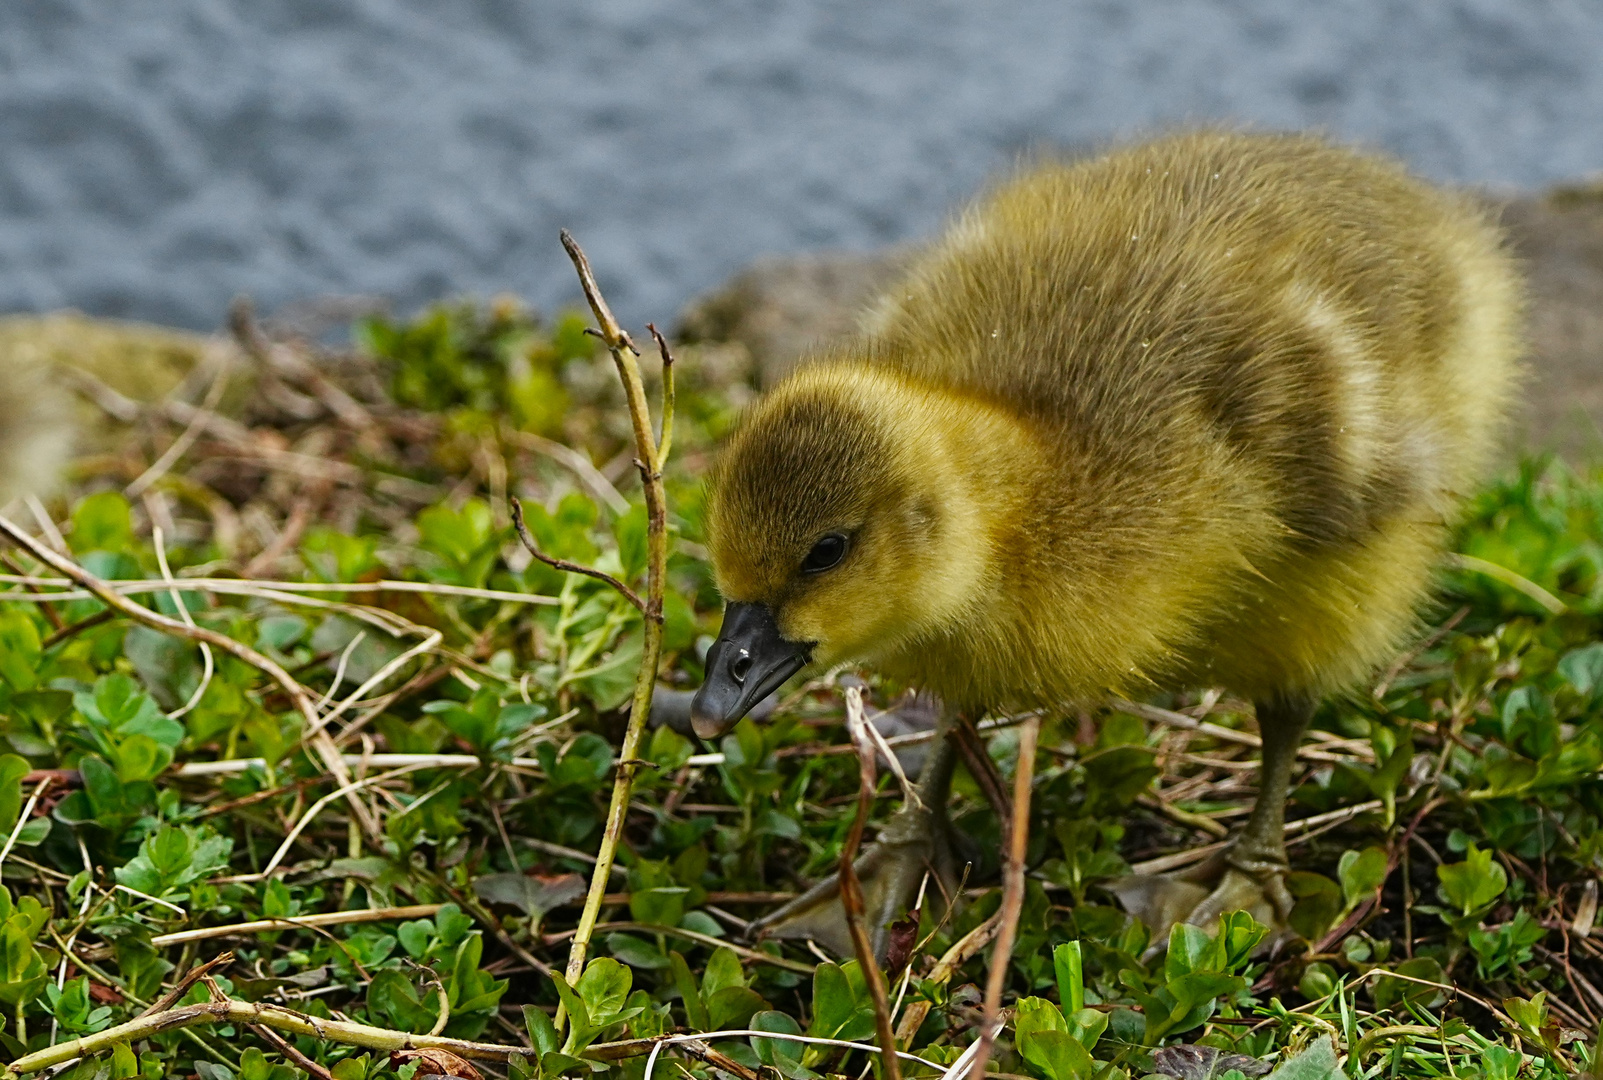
287, 361
665, 440
287, 1048
191, 977
615, 336
1159, 715
236, 587
564, 565
24, 817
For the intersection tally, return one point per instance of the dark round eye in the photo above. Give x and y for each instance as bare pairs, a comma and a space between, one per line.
825, 554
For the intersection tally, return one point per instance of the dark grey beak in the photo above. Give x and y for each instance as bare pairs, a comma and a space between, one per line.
748, 662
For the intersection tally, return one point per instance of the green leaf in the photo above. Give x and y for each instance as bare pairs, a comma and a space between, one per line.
1317, 1062
1057, 1055
1501, 1062
1202, 987
33, 833
174, 856
542, 1031
1189, 947
1583, 668
1067, 966
139, 757
833, 1004
558, 1063
702, 923
1033, 1017
1529, 1014
732, 1006
12, 769
529, 896
103, 522
783, 1055
22, 970
415, 936
122, 704
1317, 903
351, 1068
636, 952
451, 924
723, 970
1474, 883
1360, 874
141, 965
1239, 934
1087, 1027
647, 1017
663, 906
392, 997
580, 1029
19, 650
685, 983
604, 986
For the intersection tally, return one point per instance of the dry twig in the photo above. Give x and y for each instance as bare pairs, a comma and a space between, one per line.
851, 889
1018, 840
289, 922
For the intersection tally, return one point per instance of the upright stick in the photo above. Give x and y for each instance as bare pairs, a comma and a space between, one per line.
851, 889
1018, 842
649, 459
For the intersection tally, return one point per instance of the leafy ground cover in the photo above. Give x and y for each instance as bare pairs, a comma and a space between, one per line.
347, 518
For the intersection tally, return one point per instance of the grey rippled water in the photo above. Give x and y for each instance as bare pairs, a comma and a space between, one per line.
159, 156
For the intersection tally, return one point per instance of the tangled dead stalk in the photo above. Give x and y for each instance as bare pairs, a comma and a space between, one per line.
320, 738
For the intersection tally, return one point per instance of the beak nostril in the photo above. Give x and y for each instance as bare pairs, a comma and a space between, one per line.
740, 666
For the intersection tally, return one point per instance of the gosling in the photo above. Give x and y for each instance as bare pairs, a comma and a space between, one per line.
1194, 413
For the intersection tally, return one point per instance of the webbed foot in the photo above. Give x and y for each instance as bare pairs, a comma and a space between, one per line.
917, 841
1250, 875
1236, 880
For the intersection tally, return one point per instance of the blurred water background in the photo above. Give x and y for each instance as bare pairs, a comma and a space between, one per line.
159, 156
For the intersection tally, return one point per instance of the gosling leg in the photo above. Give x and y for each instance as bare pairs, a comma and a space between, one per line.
917, 838
1251, 874
1256, 864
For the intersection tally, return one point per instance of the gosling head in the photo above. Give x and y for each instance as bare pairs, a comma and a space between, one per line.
831, 525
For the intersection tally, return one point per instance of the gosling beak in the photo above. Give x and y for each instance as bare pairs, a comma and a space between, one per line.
748, 662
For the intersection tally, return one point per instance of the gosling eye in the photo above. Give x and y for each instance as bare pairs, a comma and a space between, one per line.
828, 552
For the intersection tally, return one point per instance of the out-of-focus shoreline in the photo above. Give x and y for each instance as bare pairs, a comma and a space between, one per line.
157, 159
